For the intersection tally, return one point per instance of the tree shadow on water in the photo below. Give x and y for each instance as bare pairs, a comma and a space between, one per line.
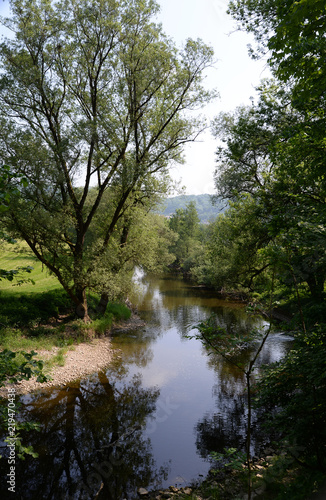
90, 442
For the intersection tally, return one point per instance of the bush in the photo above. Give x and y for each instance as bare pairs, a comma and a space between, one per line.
292, 395
118, 310
32, 309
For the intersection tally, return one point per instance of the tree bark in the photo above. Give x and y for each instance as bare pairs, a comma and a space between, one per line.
102, 305
81, 308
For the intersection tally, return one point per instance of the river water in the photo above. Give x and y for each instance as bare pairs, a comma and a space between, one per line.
153, 417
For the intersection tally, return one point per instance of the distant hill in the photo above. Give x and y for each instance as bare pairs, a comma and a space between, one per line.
206, 210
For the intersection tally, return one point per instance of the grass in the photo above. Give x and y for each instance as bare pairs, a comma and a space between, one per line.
19, 255
40, 316
56, 360
15, 339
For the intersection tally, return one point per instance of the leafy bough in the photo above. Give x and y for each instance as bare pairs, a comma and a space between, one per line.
12, 371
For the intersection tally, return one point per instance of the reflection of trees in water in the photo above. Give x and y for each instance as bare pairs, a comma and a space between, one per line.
135, 348
226, 427
185, 316
223, 429
236, 321
91, 434
173, 301
231, 380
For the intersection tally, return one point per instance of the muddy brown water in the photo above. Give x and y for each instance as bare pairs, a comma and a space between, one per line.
153, 416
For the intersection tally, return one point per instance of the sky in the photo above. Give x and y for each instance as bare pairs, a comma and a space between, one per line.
234, 76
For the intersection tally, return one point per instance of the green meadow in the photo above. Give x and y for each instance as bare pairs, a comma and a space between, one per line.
19, 255
38, 314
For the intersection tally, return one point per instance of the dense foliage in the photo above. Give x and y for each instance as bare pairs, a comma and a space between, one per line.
292, 394
292, 34
185, 224
278, 195
271, 163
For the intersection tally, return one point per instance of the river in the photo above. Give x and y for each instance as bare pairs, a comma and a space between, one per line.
154, 415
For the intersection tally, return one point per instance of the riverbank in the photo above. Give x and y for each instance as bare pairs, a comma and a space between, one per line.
80, 359
272, 476
280, 315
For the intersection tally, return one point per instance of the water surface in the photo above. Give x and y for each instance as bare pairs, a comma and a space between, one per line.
154, 415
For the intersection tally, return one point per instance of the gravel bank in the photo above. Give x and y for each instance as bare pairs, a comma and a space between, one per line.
82, 360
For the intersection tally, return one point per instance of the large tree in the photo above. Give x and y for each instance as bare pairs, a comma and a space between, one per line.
185, 223
293, 35
93, 95
266, 158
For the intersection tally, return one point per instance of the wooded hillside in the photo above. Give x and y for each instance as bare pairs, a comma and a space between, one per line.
205, 208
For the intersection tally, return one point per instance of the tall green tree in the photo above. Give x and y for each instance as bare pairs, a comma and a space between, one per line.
289, 123
292, 34
186, 225
234, 257
92, 93
266, 158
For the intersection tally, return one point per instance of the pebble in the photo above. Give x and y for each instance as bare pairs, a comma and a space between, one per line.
142, 491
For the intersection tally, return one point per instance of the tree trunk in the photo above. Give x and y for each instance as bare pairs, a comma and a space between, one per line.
101, 307
82, 306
